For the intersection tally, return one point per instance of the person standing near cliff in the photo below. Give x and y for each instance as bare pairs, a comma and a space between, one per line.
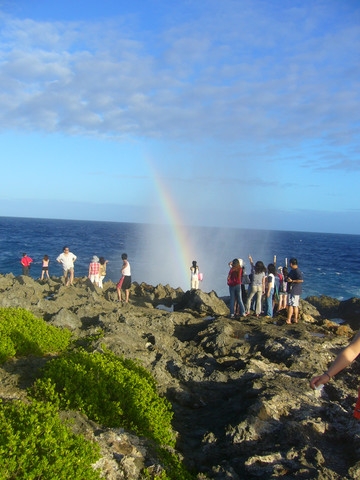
94, 269
194, 276
124, 283
294, 280
26, 263
257, 286
45, 267
234, 283
102, 272
67, 260
344, 359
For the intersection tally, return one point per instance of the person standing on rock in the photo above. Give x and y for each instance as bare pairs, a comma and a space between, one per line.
294, 280
234, 283
257, 286
124, 283
102, 272
45, 267
194, 276
94, 269
26, 263
344, 359
67, 260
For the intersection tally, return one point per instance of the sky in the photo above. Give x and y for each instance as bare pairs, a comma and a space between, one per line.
231, 113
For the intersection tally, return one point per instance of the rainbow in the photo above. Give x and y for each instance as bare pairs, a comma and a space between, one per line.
183, 249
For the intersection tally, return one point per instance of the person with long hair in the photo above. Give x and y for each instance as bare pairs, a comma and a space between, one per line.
194, 276
270, 289
257, 286
234, 283
102, 272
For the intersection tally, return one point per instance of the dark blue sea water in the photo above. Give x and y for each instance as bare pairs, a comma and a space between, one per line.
330, 262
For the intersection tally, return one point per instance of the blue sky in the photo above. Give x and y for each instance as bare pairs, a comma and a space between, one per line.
247, 112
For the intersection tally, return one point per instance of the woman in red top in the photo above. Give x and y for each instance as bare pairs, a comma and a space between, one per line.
234, 283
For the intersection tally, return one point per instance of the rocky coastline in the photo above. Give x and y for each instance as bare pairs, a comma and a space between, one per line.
239, 388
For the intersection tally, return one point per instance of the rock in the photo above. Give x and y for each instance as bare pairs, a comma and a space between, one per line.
327, 306
203, 303
350, 311
66, 319
239, 389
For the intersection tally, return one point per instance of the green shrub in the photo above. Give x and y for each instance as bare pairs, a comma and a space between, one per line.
21, 333
110, 390
35, 444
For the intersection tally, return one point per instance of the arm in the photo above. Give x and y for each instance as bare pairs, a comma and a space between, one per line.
344, 359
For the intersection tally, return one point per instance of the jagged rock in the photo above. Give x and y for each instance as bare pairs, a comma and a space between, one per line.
203, 303
66, 319
327, 306
239, 389
350, 311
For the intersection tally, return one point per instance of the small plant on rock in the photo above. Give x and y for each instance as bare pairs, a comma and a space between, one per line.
21, 333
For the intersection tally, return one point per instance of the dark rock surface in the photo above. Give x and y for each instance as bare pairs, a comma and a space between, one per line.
240, 391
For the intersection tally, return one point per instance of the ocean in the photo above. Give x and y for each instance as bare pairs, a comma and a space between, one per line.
163, 253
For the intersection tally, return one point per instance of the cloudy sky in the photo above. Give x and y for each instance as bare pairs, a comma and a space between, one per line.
239, 113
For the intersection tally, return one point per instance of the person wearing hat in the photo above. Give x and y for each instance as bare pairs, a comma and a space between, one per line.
94, 270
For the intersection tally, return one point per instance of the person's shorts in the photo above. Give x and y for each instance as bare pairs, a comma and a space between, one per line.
294, 300
126, 283
94, 278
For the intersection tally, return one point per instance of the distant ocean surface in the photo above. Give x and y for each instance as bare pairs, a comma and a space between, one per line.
163, 254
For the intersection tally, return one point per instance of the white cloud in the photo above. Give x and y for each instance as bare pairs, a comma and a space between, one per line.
244, 74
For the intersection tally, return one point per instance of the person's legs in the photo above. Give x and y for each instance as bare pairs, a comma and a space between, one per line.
127, 295
71, 280
250, 297
258, 300
232, 300
269, 304
241, 303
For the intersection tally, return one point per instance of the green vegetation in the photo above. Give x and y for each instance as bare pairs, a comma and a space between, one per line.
35, 444
110, 390
21, 334
113, 391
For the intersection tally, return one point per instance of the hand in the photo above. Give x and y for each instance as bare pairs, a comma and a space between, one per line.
319, 380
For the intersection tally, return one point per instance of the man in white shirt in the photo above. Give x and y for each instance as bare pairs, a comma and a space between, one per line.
67, 260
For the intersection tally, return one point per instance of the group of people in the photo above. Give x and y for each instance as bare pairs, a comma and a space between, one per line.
267, 288
97, 270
